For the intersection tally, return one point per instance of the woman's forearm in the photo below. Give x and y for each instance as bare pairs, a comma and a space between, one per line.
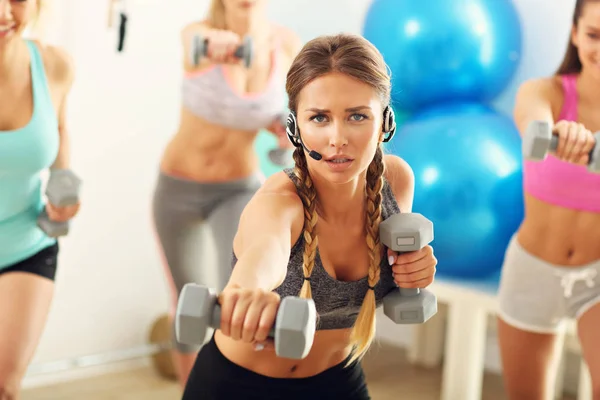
64, 153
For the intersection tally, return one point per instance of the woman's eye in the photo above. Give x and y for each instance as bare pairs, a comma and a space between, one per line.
318, 118
358, 117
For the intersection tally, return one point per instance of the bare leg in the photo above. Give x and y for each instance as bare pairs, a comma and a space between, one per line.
529, 362
25, 300
589, 330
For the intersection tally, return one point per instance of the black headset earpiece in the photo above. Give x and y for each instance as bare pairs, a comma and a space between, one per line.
389, 124
291, 128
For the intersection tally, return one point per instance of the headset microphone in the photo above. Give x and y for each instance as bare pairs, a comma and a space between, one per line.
313, 154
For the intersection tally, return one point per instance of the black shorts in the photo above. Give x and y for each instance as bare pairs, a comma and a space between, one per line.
214, 377
42, 263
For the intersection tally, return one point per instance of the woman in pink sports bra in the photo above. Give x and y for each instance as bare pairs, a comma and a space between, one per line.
209, 169
551, 270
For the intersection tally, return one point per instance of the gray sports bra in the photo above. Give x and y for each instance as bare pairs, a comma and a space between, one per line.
209, 95
337, 302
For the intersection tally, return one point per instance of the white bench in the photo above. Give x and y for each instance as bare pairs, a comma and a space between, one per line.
459, 335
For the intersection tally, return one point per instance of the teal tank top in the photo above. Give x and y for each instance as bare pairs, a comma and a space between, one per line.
24, 154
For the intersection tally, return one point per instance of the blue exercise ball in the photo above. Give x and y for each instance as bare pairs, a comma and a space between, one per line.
468, 181
447, 51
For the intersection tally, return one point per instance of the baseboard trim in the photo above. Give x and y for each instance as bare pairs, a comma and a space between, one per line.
53, 378
51, 372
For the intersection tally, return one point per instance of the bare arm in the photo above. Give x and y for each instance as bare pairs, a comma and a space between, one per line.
401, 178
62, 71
414, 269
186, 35
536, 100
269, 224
291, 43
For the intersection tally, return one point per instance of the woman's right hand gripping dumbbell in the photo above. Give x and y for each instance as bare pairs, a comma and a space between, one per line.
222, 45
575, 142
248, 315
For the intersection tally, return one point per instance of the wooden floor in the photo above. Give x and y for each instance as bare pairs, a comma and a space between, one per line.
389, 377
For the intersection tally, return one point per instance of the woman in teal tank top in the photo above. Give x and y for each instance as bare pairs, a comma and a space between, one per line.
34, 83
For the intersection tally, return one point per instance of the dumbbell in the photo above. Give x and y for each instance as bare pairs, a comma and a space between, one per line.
281, 157
539, 140
293, 332
62, 190
199, 49
406, 232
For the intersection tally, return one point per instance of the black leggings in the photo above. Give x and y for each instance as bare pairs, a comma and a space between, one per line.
42, 263
214, 377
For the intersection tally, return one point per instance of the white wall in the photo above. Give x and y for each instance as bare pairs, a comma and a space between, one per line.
123, 109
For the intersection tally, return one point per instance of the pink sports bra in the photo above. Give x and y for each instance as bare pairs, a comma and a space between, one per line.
560, 183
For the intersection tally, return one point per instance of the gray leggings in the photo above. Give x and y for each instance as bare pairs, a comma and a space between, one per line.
182, 210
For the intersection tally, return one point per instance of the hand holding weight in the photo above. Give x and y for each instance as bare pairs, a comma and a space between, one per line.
62, 190
539, 139
199, 49
406, 232
294, 329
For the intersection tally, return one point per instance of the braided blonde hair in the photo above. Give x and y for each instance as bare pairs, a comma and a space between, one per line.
358, 58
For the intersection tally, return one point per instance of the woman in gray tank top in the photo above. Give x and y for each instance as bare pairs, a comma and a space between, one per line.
313, 231
209, 169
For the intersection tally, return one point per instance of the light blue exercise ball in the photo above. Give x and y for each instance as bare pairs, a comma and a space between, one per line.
445, 50
468, 181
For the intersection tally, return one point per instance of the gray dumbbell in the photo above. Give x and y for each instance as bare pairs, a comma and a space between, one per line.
294, 329
406, 232
281, 157
199, 49
62, 190
539, 140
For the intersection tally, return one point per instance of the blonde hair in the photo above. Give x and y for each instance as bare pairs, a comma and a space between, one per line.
358, 58
39, 24
216, 14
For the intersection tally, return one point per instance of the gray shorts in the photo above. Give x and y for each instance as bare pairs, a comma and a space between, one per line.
185, 212
537, 296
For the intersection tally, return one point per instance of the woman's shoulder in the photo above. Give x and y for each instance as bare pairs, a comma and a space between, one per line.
281, 181
281, 186
58, 65
547, 90
58, 62
289, 41
547, 86
401, 179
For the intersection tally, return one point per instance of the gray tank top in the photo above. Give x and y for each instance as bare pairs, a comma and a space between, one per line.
337, 302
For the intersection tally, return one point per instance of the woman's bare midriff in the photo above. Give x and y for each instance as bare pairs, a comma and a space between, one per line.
330, 347
559, 235
205, 152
